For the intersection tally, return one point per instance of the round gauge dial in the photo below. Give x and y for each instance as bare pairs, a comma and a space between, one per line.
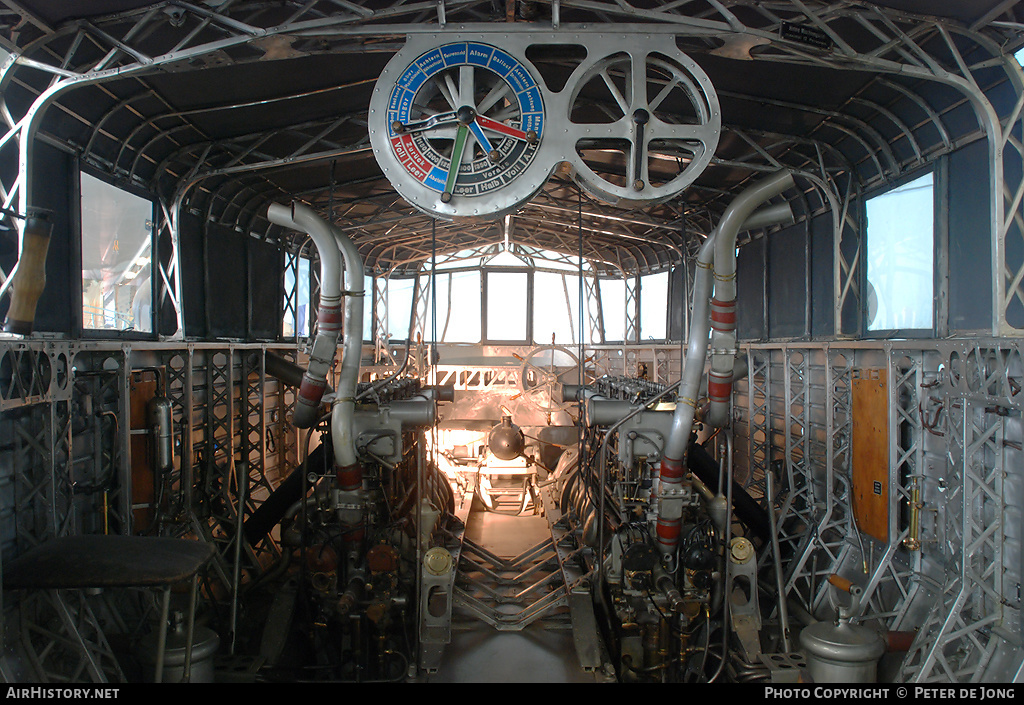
463, 125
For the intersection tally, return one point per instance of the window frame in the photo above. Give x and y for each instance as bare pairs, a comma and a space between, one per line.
485, 284
154, 262
296, 336
644, 340
903, 333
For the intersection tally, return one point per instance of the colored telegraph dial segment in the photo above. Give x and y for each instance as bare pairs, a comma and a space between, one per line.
465, 120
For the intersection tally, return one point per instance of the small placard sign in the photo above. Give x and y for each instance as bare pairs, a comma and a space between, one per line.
805, 34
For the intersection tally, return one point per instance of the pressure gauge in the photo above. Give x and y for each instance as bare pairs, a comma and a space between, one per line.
457, 129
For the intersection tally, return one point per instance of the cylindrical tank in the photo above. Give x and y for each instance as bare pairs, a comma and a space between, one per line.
161, 424
205, 643
506, 440
842, 652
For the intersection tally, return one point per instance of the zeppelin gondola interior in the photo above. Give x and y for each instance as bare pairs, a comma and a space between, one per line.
512, 341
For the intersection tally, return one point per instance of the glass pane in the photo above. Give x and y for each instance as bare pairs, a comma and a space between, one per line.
400, 307
613, 308
554, 297
458, 312
900, 240
654, 306
367, 308
506, 305
301, 289
572, 283
116, 271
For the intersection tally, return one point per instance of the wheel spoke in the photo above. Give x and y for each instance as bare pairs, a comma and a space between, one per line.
619, 98
684, 133
499, 91
663, 93
466, 87
638, 83
544, 394
447, 88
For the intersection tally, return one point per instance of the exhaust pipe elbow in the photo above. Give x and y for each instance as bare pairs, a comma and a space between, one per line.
329, 317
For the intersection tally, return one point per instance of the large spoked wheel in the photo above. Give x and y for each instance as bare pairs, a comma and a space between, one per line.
662, 126
545, 371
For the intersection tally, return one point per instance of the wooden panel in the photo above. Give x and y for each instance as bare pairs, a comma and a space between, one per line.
870, 453
143, 388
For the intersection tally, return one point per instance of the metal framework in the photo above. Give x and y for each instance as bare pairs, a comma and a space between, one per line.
69, 468
892, 125
954, 444
951, 563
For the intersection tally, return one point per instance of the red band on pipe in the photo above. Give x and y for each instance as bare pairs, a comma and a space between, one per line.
723, 313
668, 531
671, 469
355, 533
719, 390
311, 390
349, 477
329, 318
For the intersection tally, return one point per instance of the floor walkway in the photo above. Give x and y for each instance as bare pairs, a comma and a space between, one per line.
543, 652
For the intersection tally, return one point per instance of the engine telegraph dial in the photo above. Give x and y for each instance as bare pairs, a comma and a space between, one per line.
457, 129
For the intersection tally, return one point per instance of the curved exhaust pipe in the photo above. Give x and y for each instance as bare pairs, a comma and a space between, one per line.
344, 406
708, 313
723, 305
325, 345
336, 250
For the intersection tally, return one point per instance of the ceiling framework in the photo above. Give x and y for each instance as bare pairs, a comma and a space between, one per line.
221, 108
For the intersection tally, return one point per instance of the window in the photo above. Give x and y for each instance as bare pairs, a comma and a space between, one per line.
554, 305
400, 292
368, 308
654, 306
458, 307
507, 306
297, 285
900, 254
460, 312
117, 240
613, 308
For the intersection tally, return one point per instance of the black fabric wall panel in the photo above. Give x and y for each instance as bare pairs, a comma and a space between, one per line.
822, 277
1012, 170
679, 298
226, 301
787, 282
970, 249
192, 256
266, 290
750, 279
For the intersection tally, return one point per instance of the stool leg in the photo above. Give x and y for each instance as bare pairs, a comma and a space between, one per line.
190, 629
161, 642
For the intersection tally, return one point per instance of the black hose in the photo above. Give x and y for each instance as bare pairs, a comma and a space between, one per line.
270, 512
753, 516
